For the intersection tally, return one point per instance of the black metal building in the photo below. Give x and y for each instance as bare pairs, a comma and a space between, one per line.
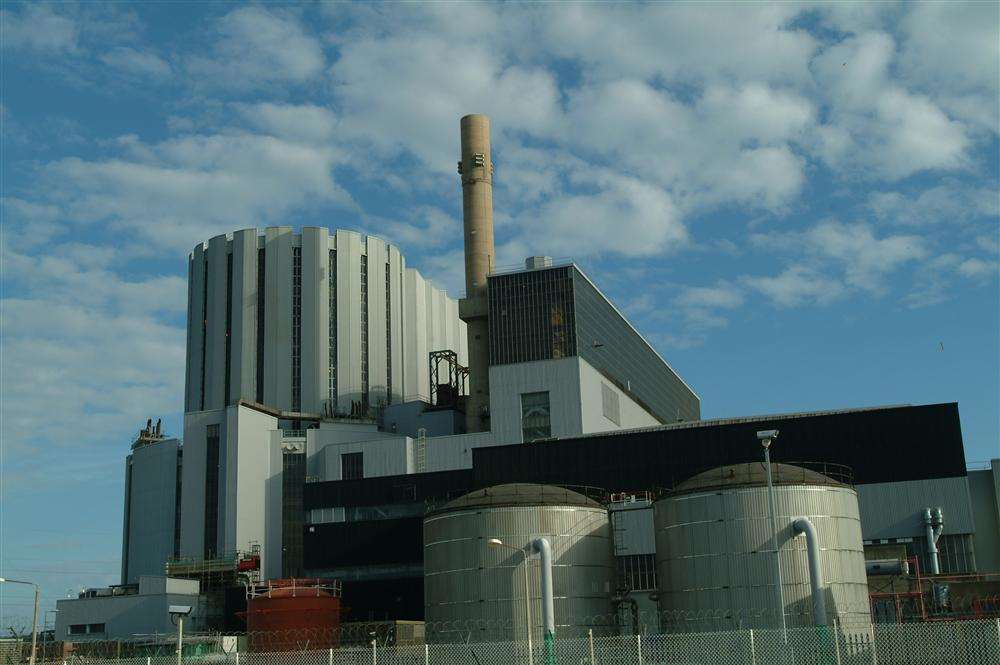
381, 560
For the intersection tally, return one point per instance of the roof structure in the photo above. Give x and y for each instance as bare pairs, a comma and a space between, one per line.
753, 474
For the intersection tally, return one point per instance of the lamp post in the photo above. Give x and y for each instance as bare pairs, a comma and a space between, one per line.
766, 437
34, 619
497, 543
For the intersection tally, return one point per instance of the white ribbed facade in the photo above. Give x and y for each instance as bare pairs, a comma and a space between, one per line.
341, 321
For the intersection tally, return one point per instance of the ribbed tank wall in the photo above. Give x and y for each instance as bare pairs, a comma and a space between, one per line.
715, 561
475, 592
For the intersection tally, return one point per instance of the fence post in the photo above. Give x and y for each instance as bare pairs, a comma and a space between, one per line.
590, 640
427, 654
374, 652
330, 659
871, 629
753, 650
237, 658
836, 641
638, 644
149, 661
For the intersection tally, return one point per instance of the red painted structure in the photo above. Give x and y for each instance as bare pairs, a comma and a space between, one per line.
293, 615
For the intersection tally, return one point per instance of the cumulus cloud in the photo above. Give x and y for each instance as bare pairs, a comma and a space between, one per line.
255, 47
181, 190
797, 285
38, 28
949, 203
142, 63
876, 123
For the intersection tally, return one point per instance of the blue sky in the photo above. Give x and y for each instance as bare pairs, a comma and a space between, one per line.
797, 204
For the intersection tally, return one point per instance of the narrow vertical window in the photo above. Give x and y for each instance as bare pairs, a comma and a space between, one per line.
177, 502
388, 337
229, 326
364, 334
211, 491
332, 347
296, 329
204, 330
261, 270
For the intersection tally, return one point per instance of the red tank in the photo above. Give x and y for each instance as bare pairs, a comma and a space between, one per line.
294, 615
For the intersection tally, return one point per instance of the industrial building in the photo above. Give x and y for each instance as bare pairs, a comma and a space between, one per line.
344, 419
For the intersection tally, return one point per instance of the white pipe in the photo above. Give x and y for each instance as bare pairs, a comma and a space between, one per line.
541, 545
803, 525
933, 526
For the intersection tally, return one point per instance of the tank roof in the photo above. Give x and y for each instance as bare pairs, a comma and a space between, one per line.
753, 474
520, 494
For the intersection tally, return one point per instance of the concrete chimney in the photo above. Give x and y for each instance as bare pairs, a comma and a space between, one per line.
476, 169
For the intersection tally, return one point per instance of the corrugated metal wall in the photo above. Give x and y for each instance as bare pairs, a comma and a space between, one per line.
475, 592
713, 558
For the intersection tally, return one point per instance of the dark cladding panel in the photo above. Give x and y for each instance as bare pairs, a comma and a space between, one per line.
388, 490
882, 445
372, 543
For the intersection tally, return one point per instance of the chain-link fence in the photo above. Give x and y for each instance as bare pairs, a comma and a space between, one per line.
928, 643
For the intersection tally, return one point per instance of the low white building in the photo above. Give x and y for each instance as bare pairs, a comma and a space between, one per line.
128, 611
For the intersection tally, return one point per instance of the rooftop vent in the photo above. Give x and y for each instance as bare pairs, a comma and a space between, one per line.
537, 262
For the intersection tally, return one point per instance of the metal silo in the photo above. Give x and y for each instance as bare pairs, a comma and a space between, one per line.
476, 592
715, 558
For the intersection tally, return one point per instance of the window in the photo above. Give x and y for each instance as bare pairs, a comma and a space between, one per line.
229, 325
204, 329
332, 333
388, 336
261, 287
78, 629
535, 420
296, 329
364, 334
352, 466
637, 572
95, 628
211, 490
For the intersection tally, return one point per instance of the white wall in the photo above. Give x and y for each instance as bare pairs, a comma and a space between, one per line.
630, 413
561, 378
248, 470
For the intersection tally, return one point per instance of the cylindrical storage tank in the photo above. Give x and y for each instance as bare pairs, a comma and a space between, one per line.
294, 614
475, 591
715, 557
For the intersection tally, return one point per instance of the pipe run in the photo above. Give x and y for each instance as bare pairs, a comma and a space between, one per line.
804, 525
933, 526
544, 550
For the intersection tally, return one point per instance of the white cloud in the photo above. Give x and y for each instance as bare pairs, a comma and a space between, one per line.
975, 268
797, 285
37, 28
951, 51
875, 122
949, 203
144, 64
864, 257
305, 123
182, 190
256, 48
722, 295
621, 216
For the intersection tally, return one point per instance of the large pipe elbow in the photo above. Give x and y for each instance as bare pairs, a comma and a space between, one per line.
544, 550
805, 525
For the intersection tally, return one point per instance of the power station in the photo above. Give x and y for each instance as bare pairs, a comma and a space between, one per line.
358, 446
